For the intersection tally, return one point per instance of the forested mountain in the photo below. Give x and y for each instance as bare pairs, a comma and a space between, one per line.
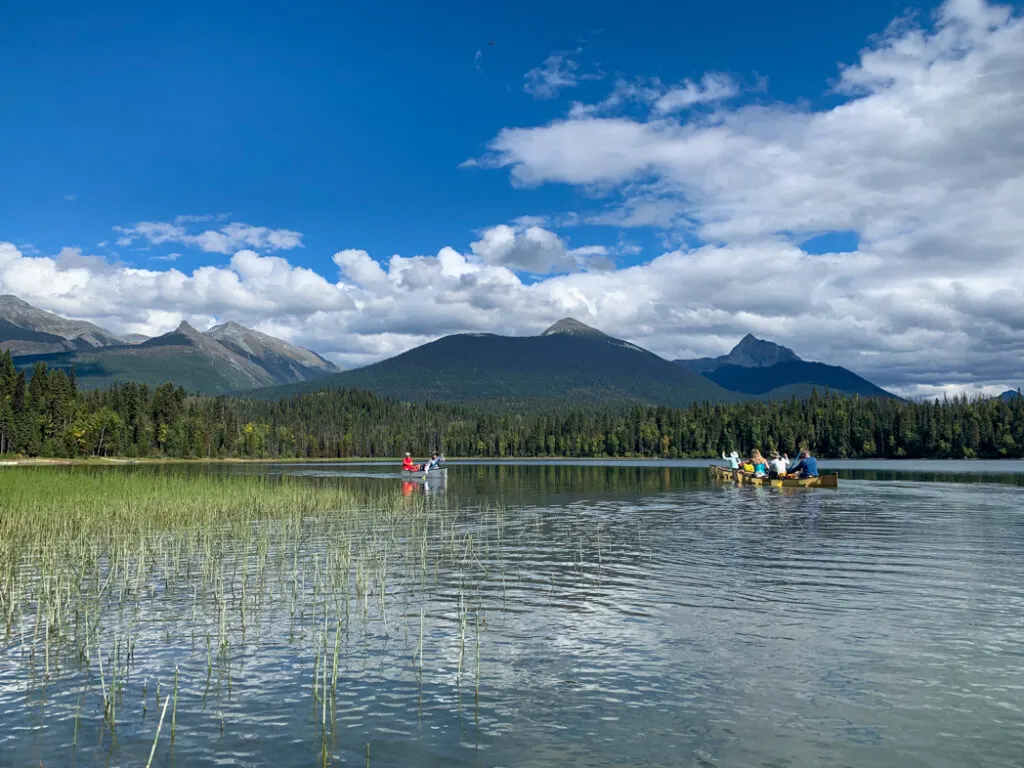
569, 361
796, 378
48, 416
1011, 394
228, 357
770, 371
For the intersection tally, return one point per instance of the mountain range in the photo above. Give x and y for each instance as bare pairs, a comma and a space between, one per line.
570, 361
224, 359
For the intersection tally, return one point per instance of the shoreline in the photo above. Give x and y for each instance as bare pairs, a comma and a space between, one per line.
105, 461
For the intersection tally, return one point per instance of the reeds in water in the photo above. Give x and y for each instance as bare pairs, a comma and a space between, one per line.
88, 557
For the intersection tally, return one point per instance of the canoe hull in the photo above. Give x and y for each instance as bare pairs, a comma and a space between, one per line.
747, 478
419, 474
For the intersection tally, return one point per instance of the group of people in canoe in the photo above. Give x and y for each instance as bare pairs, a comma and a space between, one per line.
779, 466
434, 462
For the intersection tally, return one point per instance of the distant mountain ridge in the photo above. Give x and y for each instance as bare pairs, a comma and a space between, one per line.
570, 361
28, 330
751, 352
771, 371
226, 358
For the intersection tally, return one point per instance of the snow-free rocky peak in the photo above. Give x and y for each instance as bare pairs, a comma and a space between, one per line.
753, 352
187, 330
570, 326
254, 344
79, 333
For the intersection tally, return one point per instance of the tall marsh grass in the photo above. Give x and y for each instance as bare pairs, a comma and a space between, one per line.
101, 568
44, 500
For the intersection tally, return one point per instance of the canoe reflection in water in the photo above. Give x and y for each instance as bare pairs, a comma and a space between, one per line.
428, 487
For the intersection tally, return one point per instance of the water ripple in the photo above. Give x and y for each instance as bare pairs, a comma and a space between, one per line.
877, 625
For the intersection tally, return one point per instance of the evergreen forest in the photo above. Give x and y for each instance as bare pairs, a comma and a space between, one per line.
44, 414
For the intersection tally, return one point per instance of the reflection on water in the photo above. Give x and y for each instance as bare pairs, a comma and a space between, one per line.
516, 484
537, 479
599, 616
426, 487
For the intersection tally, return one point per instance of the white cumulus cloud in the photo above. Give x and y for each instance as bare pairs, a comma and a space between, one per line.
536, 250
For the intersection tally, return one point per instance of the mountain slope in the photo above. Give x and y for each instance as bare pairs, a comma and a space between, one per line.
184, 356
796, 377
569, 361
1010, 395
24, 341
283, 361
26, 330
770, 371
226, 358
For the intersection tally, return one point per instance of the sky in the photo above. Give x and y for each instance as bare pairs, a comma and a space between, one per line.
844, 178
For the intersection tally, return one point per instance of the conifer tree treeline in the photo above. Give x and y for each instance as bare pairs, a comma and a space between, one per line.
45, 415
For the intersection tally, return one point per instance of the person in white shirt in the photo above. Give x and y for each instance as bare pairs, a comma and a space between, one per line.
777, 465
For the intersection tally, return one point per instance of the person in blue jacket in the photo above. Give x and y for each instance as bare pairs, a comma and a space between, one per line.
806, 465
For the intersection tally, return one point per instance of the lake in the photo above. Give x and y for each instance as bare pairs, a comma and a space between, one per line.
562, 613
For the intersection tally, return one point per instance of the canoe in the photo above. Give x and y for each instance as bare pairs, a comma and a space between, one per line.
748, 478
438, 472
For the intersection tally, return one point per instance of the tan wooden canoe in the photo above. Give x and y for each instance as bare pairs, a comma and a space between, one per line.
748, 478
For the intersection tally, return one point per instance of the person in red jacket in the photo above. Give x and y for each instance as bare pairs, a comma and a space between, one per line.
408, 465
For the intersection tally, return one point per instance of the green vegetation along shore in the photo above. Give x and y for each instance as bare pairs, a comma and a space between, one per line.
47, 416
122, 588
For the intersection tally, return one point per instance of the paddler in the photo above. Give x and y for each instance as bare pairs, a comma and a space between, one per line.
408, 465
807, 466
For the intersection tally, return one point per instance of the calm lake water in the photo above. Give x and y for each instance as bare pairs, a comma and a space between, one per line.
580, 613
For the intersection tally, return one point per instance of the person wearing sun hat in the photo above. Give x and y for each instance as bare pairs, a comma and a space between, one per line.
733, 459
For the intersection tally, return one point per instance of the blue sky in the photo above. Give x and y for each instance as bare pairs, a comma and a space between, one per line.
635, 134
345, 121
